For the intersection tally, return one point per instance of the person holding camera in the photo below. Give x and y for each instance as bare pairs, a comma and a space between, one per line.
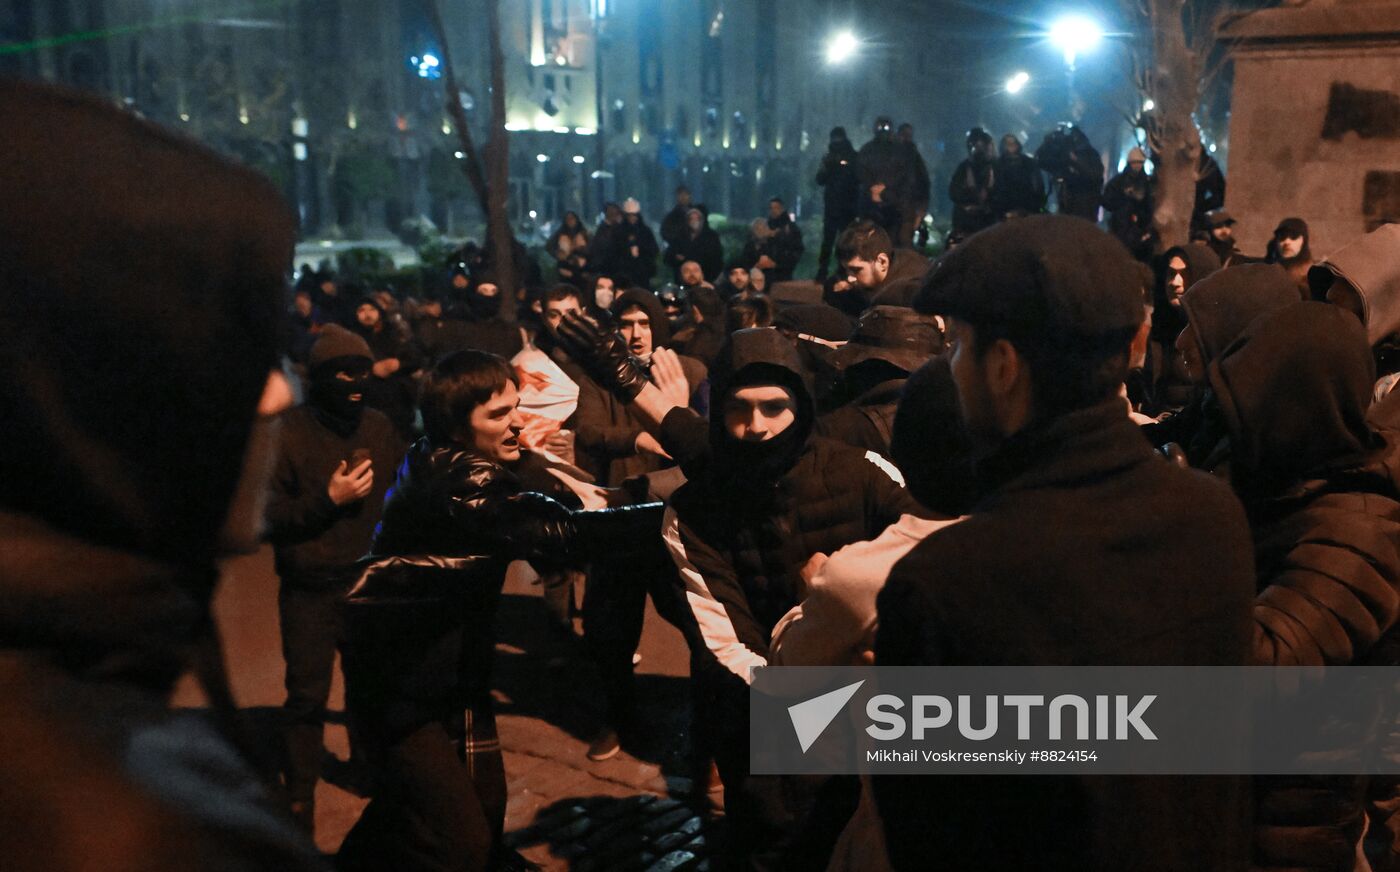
335, 464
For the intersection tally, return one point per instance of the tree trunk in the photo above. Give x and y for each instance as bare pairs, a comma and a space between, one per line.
1174, 86
498, 172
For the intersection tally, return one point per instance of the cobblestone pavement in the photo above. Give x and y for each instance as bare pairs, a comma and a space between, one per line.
565, 811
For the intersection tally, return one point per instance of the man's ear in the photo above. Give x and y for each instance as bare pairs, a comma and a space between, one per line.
884, 259
1005, 368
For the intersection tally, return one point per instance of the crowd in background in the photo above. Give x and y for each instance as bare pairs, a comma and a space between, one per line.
1038, 449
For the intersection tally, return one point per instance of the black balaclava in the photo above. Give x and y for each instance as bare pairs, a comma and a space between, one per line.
483, 308
330, 397
759, 356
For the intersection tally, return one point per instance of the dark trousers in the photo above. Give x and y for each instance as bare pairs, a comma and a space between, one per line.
614, 608
313, 629
437, 806
776, 822
831, 228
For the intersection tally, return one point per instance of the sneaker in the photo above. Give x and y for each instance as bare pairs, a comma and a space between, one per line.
604, 747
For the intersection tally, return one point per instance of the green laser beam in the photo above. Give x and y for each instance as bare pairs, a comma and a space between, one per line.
128, 29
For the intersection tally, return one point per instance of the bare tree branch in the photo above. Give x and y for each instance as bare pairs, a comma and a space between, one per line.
471, 163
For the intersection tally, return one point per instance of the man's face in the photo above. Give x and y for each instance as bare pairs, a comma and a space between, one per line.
496, 425
612, 214
682, 197
1010, 146
975, 401
691, 274
906, 134
775, 209
1191, 354
759, 412
635, 327
488, 290
1290, 247
868, 274
367, 315
604, 292
1136, 166
459, 281
757, 280
554, 310
739, 278
1223, 233
1176, 280
328, 288
302, 302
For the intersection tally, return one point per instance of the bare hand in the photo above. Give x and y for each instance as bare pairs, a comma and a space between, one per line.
387, 367
591, 495
669, 377
765, 262
647, 444
560, 443
348, 486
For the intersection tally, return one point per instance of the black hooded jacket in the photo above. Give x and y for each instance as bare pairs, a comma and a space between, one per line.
837, 175
753, 513
127, 407
1170, 388
1323, 493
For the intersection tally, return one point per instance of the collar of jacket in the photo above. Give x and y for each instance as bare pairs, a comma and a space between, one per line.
98, 611
1075, 449
457, 461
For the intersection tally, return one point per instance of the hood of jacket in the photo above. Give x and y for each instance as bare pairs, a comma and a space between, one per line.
1224, 303
1371, 264
139, 327
660, 324
1293, 390
759, 355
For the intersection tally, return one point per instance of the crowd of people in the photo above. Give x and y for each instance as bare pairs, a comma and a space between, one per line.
1038, 449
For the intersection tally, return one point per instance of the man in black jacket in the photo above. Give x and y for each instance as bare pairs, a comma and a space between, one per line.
419, 619
766, 498
1128, 200
973, 183
841, 194
324, 504
1072, 555
1020, 186
699, 242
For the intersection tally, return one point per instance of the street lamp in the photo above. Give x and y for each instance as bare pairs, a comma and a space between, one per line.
1074, 35
1018, 82
841, 47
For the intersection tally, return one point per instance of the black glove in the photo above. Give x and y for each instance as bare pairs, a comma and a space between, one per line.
602, 354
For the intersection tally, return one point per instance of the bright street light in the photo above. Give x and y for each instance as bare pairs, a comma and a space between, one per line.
841, 47
1018, 82
1074, 35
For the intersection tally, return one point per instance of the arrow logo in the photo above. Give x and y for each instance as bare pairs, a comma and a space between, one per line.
811, 718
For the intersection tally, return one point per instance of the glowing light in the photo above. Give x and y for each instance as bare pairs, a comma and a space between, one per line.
697, 139
446, 128
578, 159
841, 47
351, 121
636, 137
1018, 82
299, 150
1212, 148
585, 131
516, 126
561, 130
1148, 105
459, 154
242, 114
534, 214
184, 116
725, 142
542, 158
1074, 35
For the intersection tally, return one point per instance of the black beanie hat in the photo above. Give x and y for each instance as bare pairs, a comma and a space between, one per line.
336, 342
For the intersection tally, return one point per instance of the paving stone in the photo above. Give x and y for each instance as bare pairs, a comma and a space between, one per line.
678, 837
658, 826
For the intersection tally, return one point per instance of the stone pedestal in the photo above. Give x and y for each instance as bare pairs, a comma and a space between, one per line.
1315, 120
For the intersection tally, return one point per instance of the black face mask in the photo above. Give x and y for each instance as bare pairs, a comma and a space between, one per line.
330, 397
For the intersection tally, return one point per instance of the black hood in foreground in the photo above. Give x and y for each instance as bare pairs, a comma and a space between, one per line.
1294, 389
1222, 305
142, 294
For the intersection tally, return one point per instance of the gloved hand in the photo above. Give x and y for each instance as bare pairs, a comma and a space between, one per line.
602, 354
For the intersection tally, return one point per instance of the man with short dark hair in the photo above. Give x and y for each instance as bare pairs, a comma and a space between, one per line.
1072, 554
875, 272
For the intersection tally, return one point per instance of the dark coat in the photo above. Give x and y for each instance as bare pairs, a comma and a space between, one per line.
1321, 489
867, 421
908, 269
1020, 186
704, 248
1128, 199
784, 247
970, 189
631, 269
885, 160
316, 541
442, 336
1073, 555
837, 175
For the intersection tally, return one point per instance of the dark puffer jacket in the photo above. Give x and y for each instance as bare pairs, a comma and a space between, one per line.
1320, 487
741, 531
420, 618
